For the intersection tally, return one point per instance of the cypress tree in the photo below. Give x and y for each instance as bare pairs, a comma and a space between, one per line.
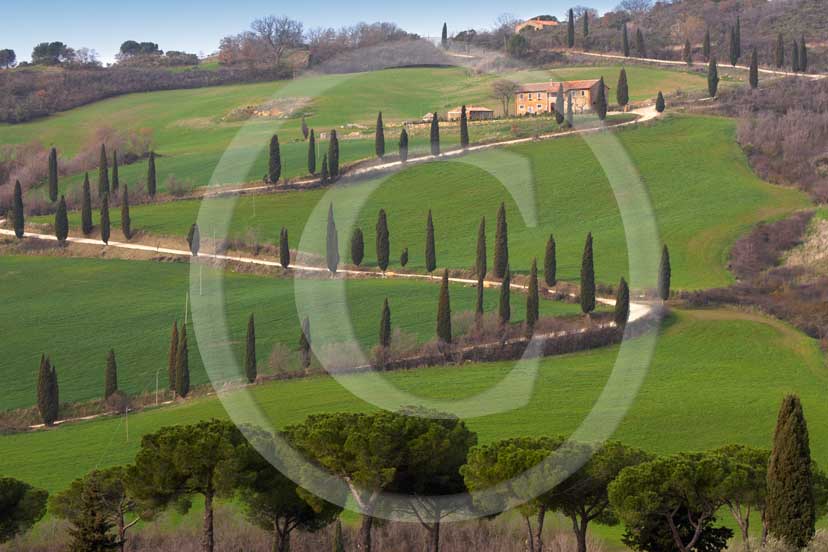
111, 375
586, 27
404, 257
550, 263
570, 29
304, 128
444, 36
332, 242
570, 113
795, 57
325, 176
601, 101
480, 265
151, 180
379, 137
182, 365
803, 55
171, 357
435, 135
734, 47
790, 502
780, 51
105, 226
625, 41
116, 182
385, 326
713, 77
312, 153
86, 207
403, 145
47, 392
479, 307
126, 222
274, 163
194, 239
357, 247
284, 248
305, 344
559, 105
688, 53
464, 128
339, 540
18, 215
706, 49
383, 245
250, 351
103, 173
640, 46
333, 156
53, 175
754, 69
430, 249
61, 222
738, 37
660, 105
622, 93
501, 252
505, 308
533, 298
444, 311
622, 303
587, 278
664, 274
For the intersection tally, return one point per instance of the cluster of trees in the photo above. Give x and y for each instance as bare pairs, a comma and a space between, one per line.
8, 58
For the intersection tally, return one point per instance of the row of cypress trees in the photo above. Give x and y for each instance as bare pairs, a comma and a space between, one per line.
105, 184
178, 361
330, 161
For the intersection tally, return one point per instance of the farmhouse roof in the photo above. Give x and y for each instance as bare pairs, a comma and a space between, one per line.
554, 86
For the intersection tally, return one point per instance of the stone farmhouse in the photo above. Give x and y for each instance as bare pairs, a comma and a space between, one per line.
537, 24
539, 97
473, 113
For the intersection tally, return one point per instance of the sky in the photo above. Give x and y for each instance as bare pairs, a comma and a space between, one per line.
197, 27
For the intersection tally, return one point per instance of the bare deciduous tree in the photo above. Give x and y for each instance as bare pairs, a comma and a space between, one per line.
504, 90
279, 33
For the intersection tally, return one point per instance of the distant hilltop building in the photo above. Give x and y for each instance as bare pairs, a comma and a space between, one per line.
539, 97
538, 23
473, 113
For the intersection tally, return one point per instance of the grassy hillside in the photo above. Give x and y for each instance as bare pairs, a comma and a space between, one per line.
77, 309
717, 377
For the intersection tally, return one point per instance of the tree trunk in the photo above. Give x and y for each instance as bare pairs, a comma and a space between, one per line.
539, 529
121, 532
435, 537
208, 538
281, 537
580, 530
529, 535
365, 533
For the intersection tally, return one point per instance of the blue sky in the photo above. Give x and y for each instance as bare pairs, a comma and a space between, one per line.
198, 26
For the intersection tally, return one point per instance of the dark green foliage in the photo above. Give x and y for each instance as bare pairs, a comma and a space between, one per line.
444, 36
404, 257
501, 252
250, 351
274, 161
103, 173
480, 266
625, 41
111, 375
21, 507
622, 93
379, 137
430, 248
172, 356
734, 47
403, 145
48, 396
305, 343
383, 242
559, 105
152, 185
332, 243
464, 128
194, 239
116, 182
505, 306
53, 175
640, 46
586, 27
738, 32
780, 51
325, 176
444, 311
601, 100
312, 153
18, 213
622, 303
570, 30
712, 77
61, 222
687, 56
105, 224
803, 56
284, 248
357, 247
435, 135
533, 297
660, 105
86, 207
385, 325
587, 278
664, 274
126, 222
518, 46
754, 69
653, 534
790, 502
706, 48
333, 155
570, 113
182, 365
90, 531
795, 57
304, 128
550, 263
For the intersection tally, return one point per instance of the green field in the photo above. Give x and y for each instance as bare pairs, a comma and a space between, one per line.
76, 309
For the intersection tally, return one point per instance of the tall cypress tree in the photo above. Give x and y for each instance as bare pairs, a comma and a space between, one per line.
550, 263
312, 153
625, 41
622, 93
103, 173
803, 55
712, 77
622, 303
126, 222
660, 105
479, 306
116, 181
435, 135
795, 57
754, 69
570, 29
464, 128
53, 175
379, 137
61, 222
18, 214
151, 179
274, 163
559, 105
640, 46
332, 243
325, 174
480, 265
182, 365
47, 392
790, 508
172, 357
587, 278
430, 248
734, 47
444, 36
688, 53
533, 297
333, 155
664, 274
111, 375
194, 239
738, 37
105, 226
385, 326
601, 101
403, 145
86, 207
780, 51
505, 307
304, 128
383, 245
444, 311
570, 113
501, 252
706, 48
357, 247
250, 351
305, 343
284, 248
586, 27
